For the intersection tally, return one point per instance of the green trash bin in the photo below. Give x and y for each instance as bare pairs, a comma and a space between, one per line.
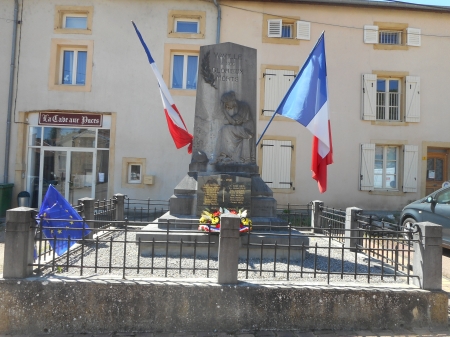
5, 198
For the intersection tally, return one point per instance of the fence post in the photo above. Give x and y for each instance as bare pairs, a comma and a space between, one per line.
120, 206
316, 212
351, 224
19, 242
89, 214
427, 260
229, 242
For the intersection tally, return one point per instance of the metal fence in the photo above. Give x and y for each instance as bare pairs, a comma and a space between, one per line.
145, 210
332, 221
295, 214
176, 249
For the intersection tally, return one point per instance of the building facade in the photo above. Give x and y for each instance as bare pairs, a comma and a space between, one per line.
88, 118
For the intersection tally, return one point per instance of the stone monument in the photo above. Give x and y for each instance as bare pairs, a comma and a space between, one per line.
223, 170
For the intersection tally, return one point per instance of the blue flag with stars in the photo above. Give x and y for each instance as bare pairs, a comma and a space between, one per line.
56, 207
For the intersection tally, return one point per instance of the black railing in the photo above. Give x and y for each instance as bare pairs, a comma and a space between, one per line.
104, 212
172, 249
333, 219
145, 210
384, 240
296, 215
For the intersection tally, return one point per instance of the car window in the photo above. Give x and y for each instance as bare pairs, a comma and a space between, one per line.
443, 197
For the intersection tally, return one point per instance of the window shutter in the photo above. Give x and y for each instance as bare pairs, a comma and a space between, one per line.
412, 109
413, 37
276, 167
276, 84
268, 162
303, 30
370, 34
410, 159
274, 27
369, 96
367, 167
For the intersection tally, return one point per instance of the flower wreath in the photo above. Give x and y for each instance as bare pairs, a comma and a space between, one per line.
210, 220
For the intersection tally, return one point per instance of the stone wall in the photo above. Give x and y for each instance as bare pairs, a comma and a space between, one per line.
57, 305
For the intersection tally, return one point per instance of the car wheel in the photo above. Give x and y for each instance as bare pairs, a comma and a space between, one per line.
407, 226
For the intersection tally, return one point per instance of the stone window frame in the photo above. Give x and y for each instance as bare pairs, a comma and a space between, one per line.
173, 15
54, 80
126, 163
62, 11
277, 40
169, 50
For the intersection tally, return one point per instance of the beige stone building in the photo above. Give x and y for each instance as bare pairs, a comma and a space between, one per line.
86, 112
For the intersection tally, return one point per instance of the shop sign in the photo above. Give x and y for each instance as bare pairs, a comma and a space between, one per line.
70, 119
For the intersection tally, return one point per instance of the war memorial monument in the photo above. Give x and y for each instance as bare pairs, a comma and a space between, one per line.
223, 172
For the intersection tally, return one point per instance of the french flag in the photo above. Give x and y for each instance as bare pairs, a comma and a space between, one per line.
307, 102
177, 128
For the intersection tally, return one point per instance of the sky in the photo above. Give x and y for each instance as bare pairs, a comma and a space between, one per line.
426, 2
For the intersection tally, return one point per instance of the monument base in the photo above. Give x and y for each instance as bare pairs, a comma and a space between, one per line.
154, 238
258, 199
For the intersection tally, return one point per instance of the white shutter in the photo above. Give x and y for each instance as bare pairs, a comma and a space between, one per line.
413, 37
369, 90
367, 167
276, 84
283, 176
276, 167
370, 34
410, 160
412, 101
274, 27
268, 162
303, 30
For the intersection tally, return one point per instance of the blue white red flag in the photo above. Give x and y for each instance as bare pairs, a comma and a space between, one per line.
177, 127
307, 102
60, 221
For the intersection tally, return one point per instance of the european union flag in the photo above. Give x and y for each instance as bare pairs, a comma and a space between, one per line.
56, 207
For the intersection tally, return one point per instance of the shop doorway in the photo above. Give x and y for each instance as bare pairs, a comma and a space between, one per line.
74, 160
70, 172
437, 172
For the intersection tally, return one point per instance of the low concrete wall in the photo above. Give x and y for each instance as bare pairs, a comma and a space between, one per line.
63, 305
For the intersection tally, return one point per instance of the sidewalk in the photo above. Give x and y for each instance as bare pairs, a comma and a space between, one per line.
323, 333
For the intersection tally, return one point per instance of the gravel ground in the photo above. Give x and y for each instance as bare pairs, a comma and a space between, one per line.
155, 267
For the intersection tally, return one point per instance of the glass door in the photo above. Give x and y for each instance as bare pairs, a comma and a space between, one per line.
81, 175
70, 172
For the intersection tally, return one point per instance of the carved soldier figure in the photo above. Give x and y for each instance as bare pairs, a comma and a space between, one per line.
233, 143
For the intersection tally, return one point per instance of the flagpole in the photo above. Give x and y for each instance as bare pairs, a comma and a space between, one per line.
273, 116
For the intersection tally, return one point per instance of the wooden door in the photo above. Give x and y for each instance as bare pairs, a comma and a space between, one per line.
436, 171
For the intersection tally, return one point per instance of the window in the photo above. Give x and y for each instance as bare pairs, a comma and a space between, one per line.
73, 70
385, 35
390, 37
381, 166
276, 163
71, 65
386, 167
134, 173
73, 19
277, 80
186, 24
390, 97
184, 71
285, 30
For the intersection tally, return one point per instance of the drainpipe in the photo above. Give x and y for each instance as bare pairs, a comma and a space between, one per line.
219, 11
11, 87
